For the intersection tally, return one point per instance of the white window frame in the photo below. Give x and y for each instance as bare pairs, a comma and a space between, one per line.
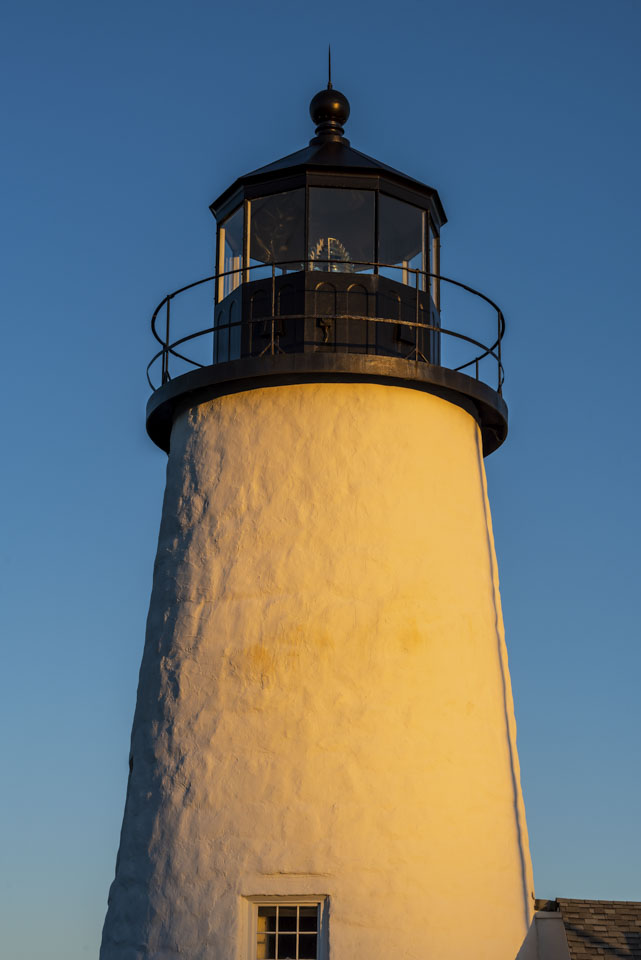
301, 900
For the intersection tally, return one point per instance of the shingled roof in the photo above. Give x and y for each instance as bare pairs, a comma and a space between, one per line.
599, 928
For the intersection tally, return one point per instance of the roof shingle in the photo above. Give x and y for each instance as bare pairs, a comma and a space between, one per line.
602, 928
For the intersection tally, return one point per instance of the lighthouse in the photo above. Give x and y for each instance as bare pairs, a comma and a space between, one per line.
323, 758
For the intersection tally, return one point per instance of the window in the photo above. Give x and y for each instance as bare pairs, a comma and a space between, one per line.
435, 265
230, 252
341, 229
401, 243
288, 928
276, 232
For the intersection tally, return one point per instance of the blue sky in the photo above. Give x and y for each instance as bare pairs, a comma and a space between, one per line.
125, 120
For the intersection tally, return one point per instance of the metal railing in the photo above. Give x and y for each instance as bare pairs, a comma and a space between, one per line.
422, 281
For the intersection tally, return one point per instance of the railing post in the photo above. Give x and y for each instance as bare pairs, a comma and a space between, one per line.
500, 334
165, 352
417, 313
273, 303
214, 337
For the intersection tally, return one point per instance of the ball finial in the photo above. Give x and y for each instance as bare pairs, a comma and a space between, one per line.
329, 110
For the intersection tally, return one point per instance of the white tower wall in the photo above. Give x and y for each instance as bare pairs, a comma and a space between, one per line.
324, 704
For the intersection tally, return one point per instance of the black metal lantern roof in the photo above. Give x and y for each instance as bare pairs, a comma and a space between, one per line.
328, 152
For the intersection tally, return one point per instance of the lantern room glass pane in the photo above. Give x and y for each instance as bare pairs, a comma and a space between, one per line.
230, 252
277, 233
435, 261
401, 240
341, 230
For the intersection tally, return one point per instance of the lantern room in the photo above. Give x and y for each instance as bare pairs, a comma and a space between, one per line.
328, 268
334, 238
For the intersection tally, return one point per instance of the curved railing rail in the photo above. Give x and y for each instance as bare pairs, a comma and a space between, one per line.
480, 350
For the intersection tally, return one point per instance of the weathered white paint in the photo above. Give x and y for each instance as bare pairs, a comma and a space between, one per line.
324, 703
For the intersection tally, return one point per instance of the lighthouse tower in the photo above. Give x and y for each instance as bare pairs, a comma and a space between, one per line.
323, 758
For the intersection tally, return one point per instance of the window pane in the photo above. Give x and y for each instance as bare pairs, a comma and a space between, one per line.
435, 264
276, 232
308, 918
341, 229
401, 230
266, 918
287, 918
231, 251
287, 946
307, 946
266, 946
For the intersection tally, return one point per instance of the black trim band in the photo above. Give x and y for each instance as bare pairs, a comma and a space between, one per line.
484, 404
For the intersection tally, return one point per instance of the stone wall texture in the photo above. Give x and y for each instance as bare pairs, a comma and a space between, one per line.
324, 705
